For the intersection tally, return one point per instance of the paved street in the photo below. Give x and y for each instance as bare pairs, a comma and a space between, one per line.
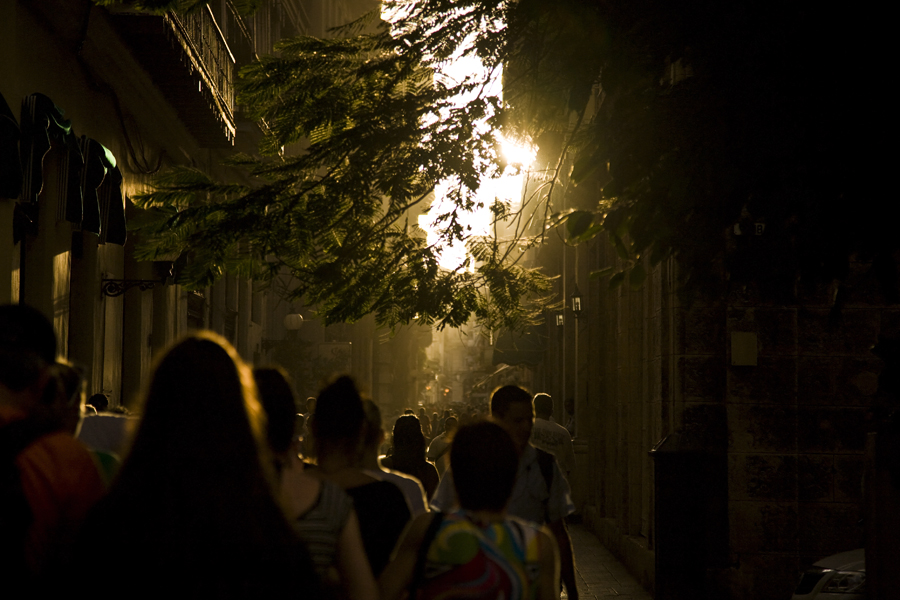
600, 575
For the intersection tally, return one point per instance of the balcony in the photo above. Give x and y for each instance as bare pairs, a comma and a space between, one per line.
190, 62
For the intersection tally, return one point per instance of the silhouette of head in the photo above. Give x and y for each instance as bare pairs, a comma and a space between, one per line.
484, 462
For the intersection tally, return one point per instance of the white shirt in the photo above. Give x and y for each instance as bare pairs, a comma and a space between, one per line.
555, 439
529, 495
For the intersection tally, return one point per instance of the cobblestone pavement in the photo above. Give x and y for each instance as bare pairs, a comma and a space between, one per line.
600, 574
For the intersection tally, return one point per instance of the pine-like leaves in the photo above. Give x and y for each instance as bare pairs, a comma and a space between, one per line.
357, 137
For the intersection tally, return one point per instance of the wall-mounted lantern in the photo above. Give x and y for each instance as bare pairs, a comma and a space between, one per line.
117, 287
293, 322
576, 302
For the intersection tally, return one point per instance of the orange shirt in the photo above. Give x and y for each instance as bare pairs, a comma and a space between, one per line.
61, 483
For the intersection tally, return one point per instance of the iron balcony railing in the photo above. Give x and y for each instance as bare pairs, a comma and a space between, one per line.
209, 56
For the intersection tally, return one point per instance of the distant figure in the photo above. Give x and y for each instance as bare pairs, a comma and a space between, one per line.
552, 437
100, 402
408, 454
374, 436
192, 508
426, 423
106, 431
380, 505
439, 450
436, 426
321, 512
50, 480
476, 551
569, 407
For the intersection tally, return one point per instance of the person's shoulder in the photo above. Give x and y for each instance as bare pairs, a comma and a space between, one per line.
61, 447
331, 490
418, 527
562, 430
402, 479
525, 524
546, 425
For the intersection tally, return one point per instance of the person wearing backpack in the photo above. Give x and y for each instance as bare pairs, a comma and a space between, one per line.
49, 480
540, 493
476, 550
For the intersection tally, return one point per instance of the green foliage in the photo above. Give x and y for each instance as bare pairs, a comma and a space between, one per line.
354, 147
710, 114
664, 123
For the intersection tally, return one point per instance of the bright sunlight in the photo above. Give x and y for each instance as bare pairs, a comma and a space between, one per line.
507, 189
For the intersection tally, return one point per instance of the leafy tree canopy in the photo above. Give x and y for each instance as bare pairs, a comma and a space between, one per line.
665, 123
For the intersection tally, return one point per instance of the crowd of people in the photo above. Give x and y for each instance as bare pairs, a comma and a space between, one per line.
219, 488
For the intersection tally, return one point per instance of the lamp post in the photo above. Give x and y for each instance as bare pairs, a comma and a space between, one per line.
576, 310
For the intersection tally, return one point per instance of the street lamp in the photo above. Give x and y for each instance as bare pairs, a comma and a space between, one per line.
576, 302
560, 319
292, 323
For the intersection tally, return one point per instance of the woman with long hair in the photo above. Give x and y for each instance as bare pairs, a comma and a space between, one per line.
339, 436
192, 512
408, 455
320, 511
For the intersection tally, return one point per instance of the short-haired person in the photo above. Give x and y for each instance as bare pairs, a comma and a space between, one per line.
476, 551
56, 479
552, 437
541, 492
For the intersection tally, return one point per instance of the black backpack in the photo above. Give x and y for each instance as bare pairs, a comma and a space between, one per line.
16, 516
545, 463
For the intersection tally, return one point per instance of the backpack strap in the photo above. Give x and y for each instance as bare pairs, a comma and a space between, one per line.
430, 534
545, 464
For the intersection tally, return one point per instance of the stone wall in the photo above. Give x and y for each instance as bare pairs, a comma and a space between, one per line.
788, 432
796, 438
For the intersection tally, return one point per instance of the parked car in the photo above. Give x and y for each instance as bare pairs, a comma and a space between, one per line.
837, 577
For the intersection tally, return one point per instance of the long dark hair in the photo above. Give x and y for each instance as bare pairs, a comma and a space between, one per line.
194, 494
277, 398
339, 414
408, 442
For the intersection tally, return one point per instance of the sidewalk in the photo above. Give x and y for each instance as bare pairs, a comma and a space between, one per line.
599, 574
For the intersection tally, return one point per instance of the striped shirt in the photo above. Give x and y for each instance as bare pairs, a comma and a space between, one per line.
320, 527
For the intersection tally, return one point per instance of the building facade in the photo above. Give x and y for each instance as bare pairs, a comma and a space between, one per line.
95, 102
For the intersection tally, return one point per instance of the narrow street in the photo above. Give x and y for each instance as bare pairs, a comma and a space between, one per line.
600, 574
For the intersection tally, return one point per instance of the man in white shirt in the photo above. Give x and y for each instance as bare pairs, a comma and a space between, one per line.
552, 437
540, 493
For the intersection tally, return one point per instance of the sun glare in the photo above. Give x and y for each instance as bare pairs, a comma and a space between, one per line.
508, 188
